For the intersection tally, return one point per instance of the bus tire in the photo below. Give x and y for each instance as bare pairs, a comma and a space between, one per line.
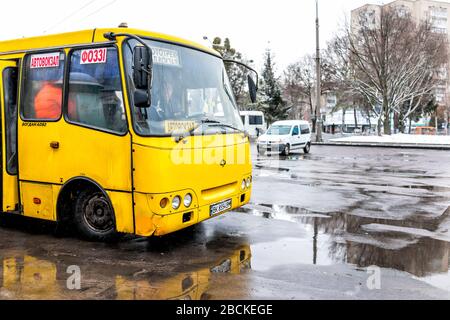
94, 216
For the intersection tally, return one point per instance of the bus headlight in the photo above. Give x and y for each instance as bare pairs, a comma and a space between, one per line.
187, 200
243, 185
248, 183
176, 203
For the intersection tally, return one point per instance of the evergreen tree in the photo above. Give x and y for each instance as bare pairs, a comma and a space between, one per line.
270, 90
237, 74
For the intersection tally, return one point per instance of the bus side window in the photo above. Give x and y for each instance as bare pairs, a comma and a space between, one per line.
43, 83
10, 90
95, 91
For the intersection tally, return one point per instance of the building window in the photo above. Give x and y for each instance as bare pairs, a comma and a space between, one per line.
368, 18
331, 101
402, 11
439, 19
440, 94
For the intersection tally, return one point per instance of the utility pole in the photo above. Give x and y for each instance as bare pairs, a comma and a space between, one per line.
318, 85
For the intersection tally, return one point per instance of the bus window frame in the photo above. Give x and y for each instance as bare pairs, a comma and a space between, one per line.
66, 89
22, 84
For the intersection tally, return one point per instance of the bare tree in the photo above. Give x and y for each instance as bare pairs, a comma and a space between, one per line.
236, 73
391, 63
299, 85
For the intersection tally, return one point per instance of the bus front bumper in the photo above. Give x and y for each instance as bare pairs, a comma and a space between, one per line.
166, 224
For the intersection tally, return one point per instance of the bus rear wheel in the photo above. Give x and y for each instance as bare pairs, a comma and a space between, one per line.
94, 216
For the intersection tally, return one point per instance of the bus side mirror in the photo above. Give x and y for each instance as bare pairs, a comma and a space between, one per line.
252, 89
142, 76
252, 85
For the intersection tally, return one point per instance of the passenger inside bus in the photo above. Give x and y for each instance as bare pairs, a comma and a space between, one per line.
47, 102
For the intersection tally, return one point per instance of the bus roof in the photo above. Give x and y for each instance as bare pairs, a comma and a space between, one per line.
86, 37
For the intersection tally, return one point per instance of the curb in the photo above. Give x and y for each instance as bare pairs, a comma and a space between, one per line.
383, 145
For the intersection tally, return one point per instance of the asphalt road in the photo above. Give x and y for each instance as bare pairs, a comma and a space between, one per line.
340, 223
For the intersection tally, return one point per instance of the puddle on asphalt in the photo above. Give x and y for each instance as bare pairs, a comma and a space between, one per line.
414, 245
419, 247
291, 251
26, 276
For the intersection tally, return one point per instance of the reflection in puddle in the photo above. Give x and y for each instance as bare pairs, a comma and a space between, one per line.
285, 213
270, 255
27, 277
419, 247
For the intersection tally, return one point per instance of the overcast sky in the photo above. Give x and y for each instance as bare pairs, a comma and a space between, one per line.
286, 26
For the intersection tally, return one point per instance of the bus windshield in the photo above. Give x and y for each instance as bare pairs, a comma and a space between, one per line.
191, 93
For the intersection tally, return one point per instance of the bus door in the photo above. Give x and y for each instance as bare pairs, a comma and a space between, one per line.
8, 88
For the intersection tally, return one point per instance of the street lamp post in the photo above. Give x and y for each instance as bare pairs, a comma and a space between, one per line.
318, 85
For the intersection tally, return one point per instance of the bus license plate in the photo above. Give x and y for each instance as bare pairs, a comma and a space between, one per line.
221, 207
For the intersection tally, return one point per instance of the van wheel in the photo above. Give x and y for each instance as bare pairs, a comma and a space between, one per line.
94, 216
286, 151
307, 148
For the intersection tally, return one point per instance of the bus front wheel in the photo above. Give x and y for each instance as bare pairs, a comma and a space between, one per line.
94, 216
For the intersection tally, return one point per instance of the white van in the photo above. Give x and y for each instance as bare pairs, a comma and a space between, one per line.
286, 136
254, 123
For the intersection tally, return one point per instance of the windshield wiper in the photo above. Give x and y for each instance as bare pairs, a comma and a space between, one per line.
224, 125
182, 136
212, 123
209, 121
215, 123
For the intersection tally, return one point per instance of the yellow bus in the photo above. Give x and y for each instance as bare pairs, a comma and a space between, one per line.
117, 132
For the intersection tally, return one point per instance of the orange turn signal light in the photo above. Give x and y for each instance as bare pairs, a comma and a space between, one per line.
37, 201
164, 202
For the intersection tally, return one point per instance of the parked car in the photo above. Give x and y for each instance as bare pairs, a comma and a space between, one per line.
254, 123
286, 136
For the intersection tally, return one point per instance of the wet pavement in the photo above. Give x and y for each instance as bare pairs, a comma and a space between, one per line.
317, 226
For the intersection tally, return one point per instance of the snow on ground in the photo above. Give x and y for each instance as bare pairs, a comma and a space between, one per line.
398, 138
